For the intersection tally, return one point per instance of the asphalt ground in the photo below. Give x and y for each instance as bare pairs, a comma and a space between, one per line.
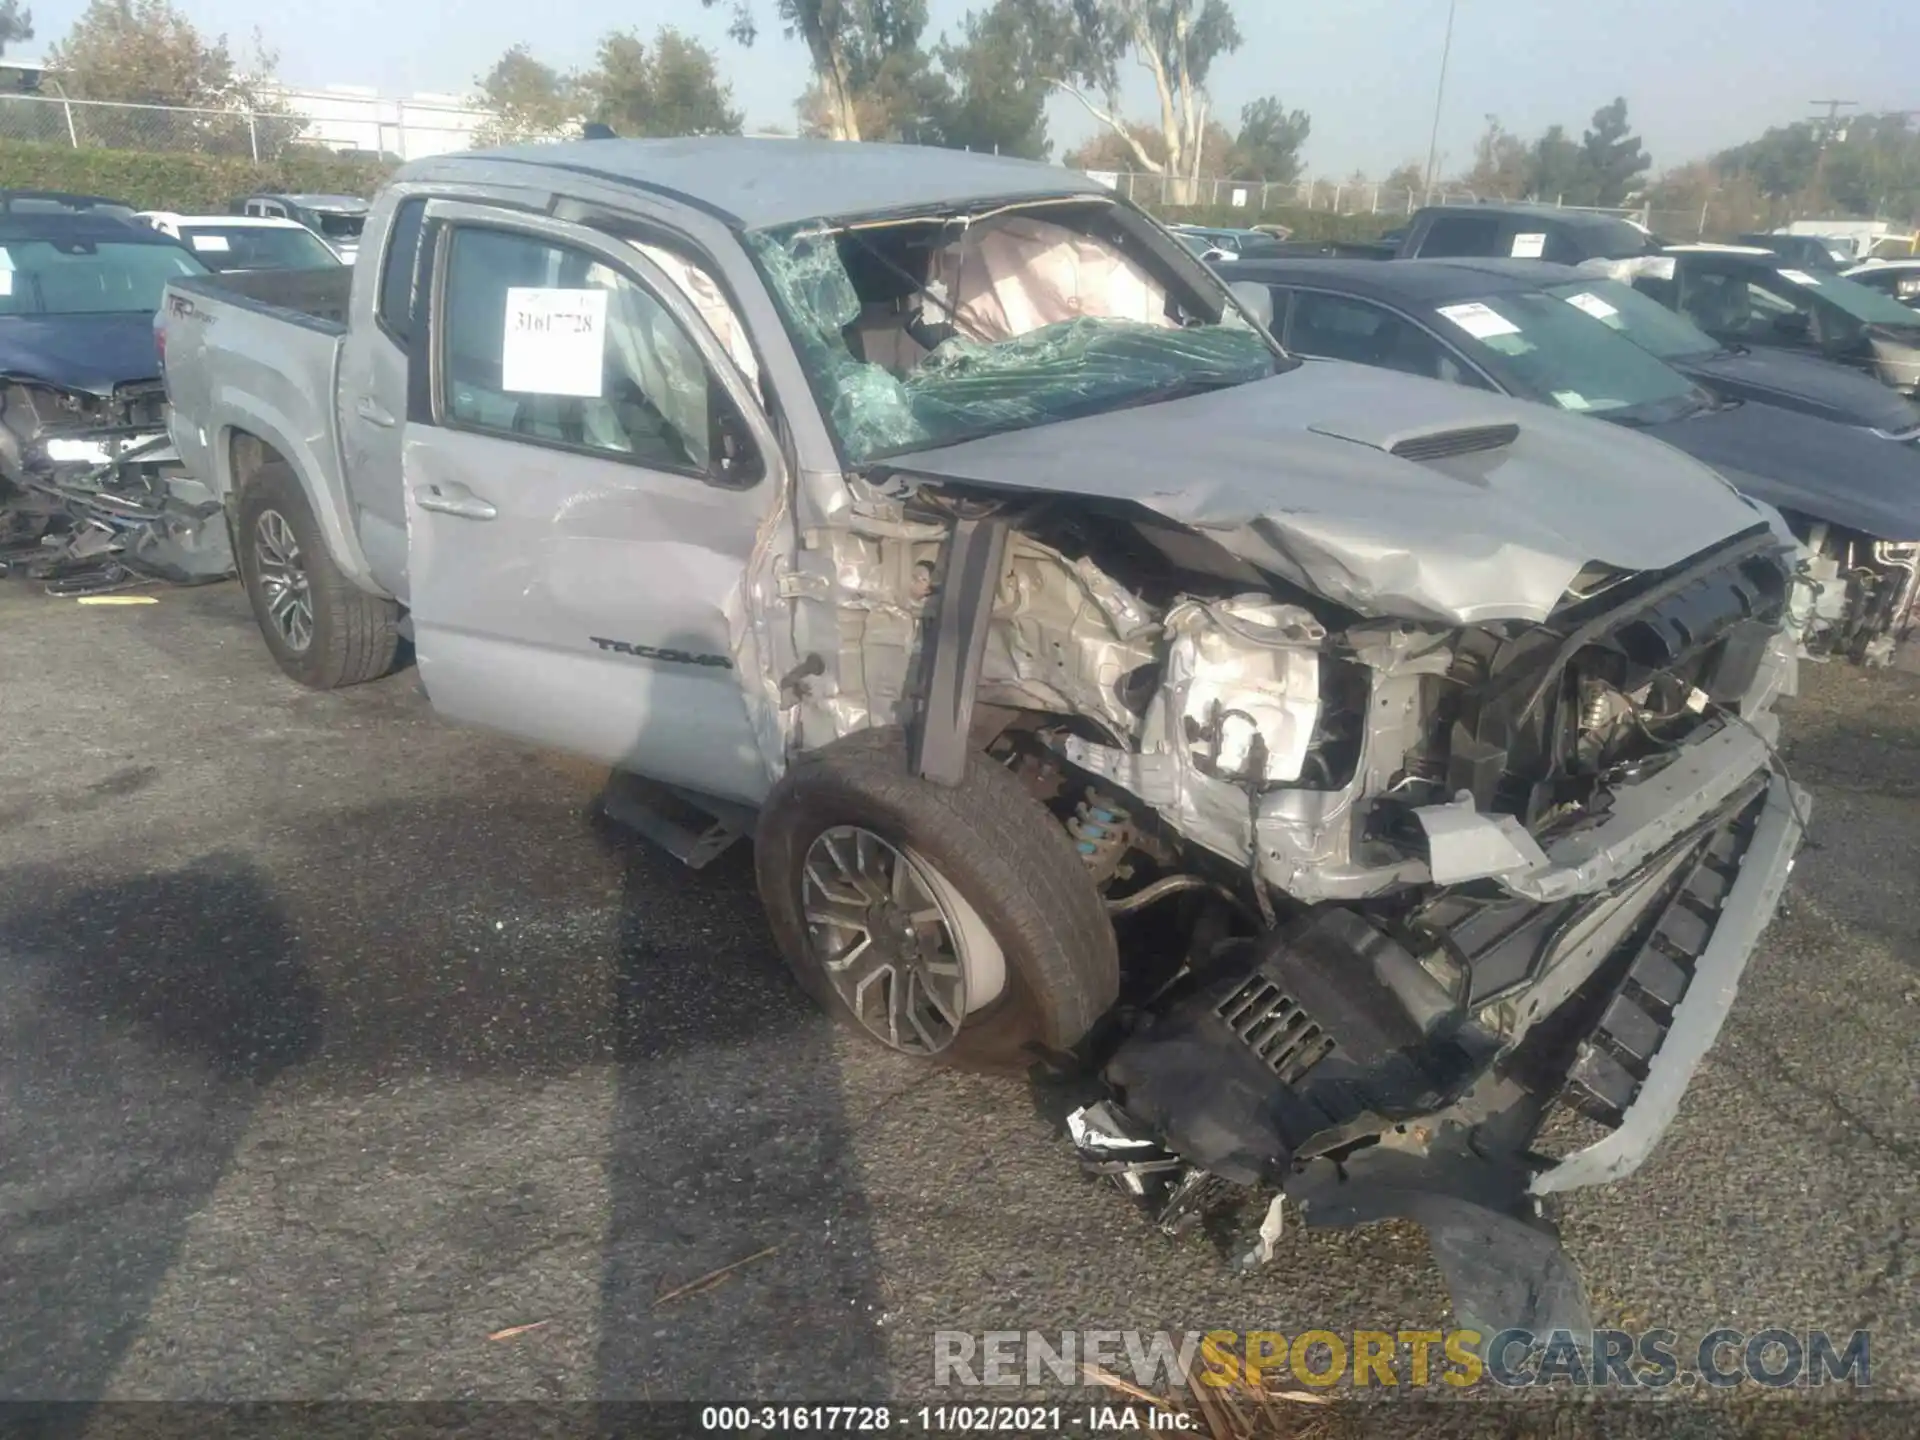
335, 1040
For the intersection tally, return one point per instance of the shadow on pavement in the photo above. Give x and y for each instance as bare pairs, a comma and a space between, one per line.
407, 970
730, 1138
142, 1018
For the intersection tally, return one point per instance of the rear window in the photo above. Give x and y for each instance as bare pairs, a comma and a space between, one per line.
1463, 235
342, 227
257, 247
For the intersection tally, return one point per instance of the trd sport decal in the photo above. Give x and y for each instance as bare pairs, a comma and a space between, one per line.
670, 657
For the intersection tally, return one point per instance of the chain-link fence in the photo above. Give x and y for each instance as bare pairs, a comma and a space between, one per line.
395, 129
1343, 197
407, 129
56, 120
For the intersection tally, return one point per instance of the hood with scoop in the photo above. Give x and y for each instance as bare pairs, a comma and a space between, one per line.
1385, 494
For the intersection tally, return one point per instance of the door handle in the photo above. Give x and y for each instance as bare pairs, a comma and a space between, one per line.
369, 410
453, 499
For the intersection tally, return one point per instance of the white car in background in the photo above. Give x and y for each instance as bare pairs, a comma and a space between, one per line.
244, 242
1898, 278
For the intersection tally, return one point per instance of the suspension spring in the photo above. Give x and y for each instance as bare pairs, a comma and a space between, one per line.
1102, 832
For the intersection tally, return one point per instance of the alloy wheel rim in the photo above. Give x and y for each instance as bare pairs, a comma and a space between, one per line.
905, 953
283, 579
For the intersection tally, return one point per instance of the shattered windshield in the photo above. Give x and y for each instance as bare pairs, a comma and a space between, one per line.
933, 330
1545, 349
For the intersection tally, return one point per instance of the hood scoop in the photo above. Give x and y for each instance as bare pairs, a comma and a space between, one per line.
1444, 444
1440, 437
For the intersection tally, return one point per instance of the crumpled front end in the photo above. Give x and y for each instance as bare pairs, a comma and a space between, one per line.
1404, 891
1529, 865
92, 496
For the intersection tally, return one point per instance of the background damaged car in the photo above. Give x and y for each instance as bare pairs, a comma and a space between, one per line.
1357, 771
90, 492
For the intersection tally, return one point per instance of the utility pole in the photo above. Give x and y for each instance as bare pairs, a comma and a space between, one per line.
1834, 107
1439, 94
1827, 127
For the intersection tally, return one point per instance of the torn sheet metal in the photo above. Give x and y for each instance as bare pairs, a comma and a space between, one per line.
1305, 835
1243, 671
1463, 844
1235, 712
1064, 635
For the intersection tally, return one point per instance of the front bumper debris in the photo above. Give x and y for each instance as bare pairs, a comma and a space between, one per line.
1343, 1063
84, 527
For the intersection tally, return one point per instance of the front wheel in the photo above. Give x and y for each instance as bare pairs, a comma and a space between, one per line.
957, 926
324, 631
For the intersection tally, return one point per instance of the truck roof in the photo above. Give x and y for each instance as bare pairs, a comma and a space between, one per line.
306, 200
1531, 210
756, 183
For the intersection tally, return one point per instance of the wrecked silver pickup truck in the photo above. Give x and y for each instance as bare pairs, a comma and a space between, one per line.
1370, 777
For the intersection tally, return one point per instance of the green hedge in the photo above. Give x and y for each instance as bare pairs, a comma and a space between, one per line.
198, 183
190, 184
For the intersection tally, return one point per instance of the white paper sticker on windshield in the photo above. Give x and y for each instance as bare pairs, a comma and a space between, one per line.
1479, 321
1799, 277
1529, 247
555, 342
209, 242
6, 258
1593, 305
1570, 400
6, 282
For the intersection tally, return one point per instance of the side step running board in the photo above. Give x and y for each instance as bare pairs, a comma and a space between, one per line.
695, 829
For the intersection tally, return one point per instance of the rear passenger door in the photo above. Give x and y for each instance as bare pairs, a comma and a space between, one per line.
586, 476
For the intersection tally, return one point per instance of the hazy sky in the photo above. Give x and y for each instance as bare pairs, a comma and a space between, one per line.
1698, 74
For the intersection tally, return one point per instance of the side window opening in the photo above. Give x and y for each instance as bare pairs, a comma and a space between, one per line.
395, 307
1338, 328
546, 343
1562, 249
1463, 235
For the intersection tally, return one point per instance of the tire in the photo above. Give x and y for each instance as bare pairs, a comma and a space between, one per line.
991, 850
350, 636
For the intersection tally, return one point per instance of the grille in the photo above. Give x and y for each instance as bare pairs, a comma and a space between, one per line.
1457, 442
1276, 1028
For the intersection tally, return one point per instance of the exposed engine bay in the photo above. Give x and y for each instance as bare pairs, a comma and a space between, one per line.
92, 497
1856, 596
1396, 898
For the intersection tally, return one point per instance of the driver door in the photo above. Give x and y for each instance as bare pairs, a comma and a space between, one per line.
585, 477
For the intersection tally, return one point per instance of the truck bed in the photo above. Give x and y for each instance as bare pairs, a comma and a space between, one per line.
257, 354
304, 295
